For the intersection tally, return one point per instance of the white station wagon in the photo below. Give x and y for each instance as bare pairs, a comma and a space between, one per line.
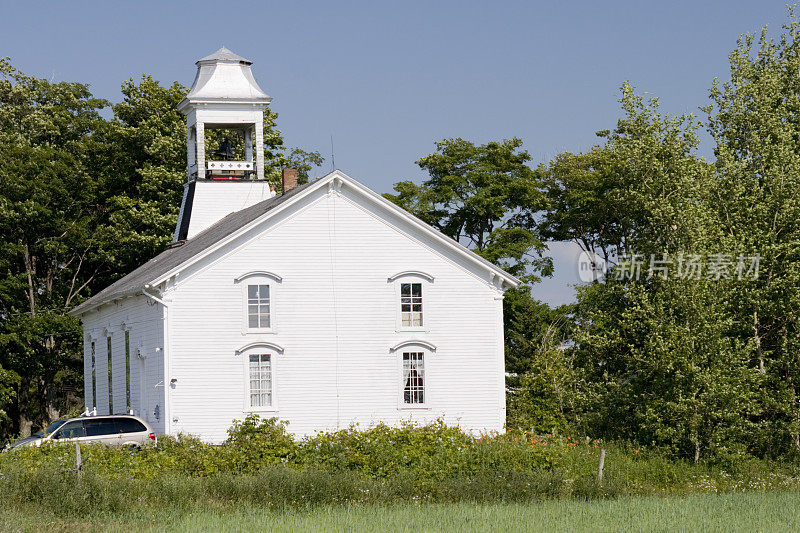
113, 430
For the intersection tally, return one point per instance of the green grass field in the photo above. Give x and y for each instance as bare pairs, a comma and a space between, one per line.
752, 511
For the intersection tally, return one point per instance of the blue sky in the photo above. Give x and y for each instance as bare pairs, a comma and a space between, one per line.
388, 79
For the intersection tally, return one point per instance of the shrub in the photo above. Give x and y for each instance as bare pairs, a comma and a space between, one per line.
260, 464
430, 453
254, 444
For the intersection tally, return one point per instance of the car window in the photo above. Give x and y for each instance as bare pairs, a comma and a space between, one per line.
129, 425
70, 430
49, 429
99, 426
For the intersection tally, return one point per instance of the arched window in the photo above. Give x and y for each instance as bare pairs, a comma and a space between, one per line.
411, 288
414, 359
258, 295
259, 360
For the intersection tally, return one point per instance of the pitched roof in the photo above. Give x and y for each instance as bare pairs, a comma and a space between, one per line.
174, 257
167, 261
223, 54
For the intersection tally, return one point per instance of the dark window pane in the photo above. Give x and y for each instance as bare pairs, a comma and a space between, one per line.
252, 291
416, 289
70, 430
100, 426
405, 289
129, 425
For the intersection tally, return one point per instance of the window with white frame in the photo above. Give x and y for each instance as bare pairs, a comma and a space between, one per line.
110, 377
258, 306
413, 378
260, 370
411, 305
94, 380
127, 371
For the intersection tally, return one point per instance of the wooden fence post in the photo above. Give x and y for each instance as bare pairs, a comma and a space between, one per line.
600, 468
78, 460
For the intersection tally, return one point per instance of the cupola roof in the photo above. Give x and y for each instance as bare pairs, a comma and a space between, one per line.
224, 77
223, 54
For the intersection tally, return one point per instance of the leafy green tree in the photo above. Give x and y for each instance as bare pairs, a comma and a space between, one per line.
541, 381
304, 162
588, 202
653, 355
142, 170
485, 197
47, 213
755, 121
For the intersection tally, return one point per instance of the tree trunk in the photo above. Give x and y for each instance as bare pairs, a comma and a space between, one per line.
29, 270
51, 399
25, 423
757, 338
795, 434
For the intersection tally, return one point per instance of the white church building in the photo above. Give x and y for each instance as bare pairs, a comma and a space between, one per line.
324, 306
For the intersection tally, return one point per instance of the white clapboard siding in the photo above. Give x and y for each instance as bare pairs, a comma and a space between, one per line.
144, 321
335, 314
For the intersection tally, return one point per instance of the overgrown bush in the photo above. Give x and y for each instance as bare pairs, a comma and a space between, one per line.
260, 464
431, 453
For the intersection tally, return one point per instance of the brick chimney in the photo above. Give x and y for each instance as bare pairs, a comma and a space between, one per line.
289, 179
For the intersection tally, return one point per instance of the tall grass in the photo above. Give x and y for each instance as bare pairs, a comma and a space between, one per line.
721, 513
753, 511
262, 466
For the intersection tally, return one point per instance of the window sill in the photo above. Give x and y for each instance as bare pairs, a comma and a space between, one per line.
414, 408
408, 329
261, 410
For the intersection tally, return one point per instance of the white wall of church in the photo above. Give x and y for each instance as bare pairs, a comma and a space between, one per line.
143, 320
335, 318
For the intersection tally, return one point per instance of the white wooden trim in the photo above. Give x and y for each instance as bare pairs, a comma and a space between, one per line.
263, 273
266, 344
416, 273
416, 342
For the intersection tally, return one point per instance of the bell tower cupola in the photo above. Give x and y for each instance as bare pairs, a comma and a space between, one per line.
224, 142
